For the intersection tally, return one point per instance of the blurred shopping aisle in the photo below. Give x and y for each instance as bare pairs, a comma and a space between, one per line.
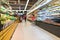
29, 31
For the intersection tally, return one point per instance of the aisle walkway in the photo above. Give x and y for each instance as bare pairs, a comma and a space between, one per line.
28, 31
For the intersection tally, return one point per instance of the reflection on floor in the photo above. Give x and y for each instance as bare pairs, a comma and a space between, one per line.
29, 31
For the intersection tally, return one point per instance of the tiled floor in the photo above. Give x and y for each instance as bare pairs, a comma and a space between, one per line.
28, 31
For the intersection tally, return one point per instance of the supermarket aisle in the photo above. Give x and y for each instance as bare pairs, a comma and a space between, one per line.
28, 31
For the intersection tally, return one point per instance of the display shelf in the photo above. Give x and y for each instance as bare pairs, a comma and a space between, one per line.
6, 17
5, 2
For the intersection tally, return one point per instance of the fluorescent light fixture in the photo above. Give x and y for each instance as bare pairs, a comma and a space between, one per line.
26, 4
39, 6
35, 4
18, 1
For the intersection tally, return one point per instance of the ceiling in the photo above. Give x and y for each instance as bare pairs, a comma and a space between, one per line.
20, 4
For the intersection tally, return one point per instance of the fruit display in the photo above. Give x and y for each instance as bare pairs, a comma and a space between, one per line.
3, 9
5, 18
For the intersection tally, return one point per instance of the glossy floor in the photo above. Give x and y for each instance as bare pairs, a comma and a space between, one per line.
29, 31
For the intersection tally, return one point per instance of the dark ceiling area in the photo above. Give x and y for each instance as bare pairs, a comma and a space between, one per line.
20, 4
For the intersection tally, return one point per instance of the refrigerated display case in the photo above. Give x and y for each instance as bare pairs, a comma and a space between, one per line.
52, 24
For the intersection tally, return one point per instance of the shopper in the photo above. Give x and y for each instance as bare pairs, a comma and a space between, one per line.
24, 17
33, 18
20, 15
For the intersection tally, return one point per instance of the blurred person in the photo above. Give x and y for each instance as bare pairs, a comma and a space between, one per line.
24, 17
20, 15
33, 18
